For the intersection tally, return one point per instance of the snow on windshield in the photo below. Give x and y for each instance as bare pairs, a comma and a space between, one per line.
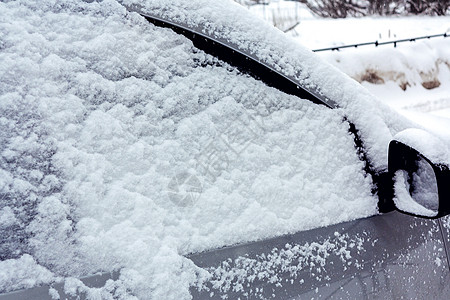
231, 22
125, 147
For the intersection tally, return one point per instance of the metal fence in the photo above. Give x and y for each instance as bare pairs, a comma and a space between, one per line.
377, 43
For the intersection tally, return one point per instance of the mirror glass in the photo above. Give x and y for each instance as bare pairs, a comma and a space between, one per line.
423, 187
416, 189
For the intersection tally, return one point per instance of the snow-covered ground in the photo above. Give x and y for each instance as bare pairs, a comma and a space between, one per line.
396, 76
316, 33
129, 157
413, 78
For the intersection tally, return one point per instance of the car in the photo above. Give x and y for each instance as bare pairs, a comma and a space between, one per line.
189, 150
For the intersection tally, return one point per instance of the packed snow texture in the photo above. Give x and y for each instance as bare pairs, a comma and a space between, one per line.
100, 113
231, 22
430, 146
23, 273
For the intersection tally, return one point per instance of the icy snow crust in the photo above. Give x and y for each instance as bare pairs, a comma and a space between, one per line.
100, 112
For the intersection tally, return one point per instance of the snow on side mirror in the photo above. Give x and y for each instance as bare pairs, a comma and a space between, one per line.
417, 162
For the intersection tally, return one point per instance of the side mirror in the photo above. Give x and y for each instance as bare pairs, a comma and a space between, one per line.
417, 162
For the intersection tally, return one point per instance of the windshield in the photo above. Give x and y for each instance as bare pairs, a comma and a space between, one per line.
123, 146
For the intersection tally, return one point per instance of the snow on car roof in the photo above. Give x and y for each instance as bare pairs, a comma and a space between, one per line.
123, 146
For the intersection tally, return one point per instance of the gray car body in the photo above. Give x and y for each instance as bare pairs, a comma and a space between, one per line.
394, 256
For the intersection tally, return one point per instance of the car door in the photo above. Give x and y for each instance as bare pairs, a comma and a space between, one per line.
391, 256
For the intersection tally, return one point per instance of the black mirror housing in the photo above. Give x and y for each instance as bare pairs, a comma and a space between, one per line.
403, 157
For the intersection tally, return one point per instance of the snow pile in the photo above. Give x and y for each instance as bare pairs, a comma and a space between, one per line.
125, 147
432, 147
399, 65
23, 273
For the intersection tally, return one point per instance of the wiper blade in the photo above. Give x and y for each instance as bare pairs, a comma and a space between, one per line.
246, 62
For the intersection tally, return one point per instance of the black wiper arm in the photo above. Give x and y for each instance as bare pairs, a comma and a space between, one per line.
244, 61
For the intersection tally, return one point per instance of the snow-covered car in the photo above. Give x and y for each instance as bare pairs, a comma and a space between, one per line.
188, 149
